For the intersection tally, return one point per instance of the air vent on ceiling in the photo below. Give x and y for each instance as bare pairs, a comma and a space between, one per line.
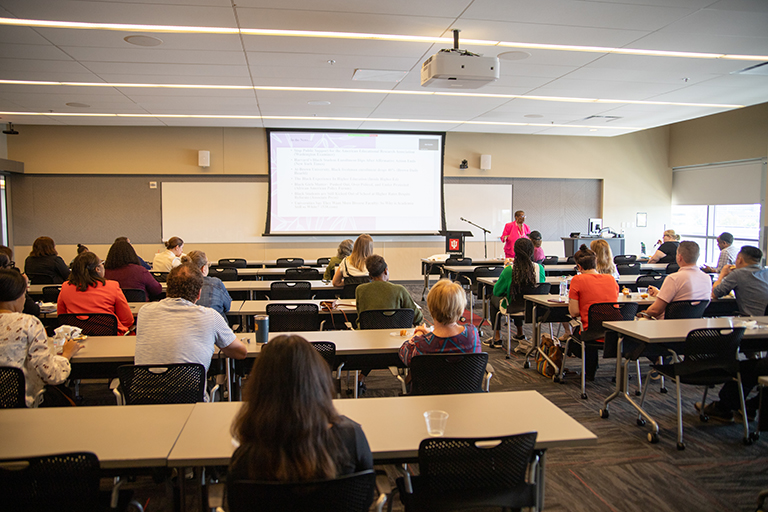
757, 69
603, 119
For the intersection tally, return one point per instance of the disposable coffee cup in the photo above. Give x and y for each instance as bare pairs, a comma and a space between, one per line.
261, 325
436, 421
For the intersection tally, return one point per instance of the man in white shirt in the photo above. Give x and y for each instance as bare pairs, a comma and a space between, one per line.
727, 254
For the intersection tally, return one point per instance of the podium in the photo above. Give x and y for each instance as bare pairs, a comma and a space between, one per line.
454, 242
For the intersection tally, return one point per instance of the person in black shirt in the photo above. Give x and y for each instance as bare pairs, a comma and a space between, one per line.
44, 265
668, 249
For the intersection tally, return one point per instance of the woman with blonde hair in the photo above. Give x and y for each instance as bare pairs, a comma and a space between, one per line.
354, 264
605, 263
667, 251
344, 250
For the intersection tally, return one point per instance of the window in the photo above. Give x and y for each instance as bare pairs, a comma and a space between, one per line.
703, 223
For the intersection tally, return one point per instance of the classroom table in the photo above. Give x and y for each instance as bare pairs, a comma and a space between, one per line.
645, 268
259, 307
671, 332
435, 267
273, 263
135, 308
394, 426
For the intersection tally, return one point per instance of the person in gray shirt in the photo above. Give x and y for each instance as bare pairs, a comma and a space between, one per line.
747, 279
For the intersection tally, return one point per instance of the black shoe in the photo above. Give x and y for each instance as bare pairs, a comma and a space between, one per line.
714, 411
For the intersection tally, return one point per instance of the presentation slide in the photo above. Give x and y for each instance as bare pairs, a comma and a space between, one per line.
328, 183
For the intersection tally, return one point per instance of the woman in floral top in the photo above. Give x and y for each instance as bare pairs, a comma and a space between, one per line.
23, 343
446, 302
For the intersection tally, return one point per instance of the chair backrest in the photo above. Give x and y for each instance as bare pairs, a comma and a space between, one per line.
92, 324
463, 465
464, 262
224, 273
134, 295
550, 260
536, 289
628, 269
12, 388
447, 374
347, 493
67, 482
386, 318
232, 263
488, 272
350, 285
710, 353
182, 383
650, 280
605, 312
570, 260
289, 262
685, 309
160, 276
327, 349
624, 258
293, 317
306, 274
40, 279
323, 262
290, 290
672, 268
51, 293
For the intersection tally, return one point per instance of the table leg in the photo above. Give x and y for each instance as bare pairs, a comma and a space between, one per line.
180, 476
485, 308
427, 269
229, 379
536, 335
540, 483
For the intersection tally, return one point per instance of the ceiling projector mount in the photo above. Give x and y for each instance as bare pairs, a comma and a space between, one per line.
10, 130
454, 68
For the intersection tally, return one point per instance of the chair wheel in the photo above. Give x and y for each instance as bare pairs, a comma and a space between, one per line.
583, 396
754, 436
663, 391
638, 392
680, 446
653, 437
526, 365
604, 413
748, 440
508, 357
640, 422
704, 418
556, 378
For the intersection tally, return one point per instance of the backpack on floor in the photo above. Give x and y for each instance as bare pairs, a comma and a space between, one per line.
554, 351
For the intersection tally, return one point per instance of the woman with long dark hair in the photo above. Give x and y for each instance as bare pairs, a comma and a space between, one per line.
515, 278
44, 263
87, 291
123, 265
288, 428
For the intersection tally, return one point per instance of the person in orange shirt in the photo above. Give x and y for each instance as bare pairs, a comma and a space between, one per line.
87, 291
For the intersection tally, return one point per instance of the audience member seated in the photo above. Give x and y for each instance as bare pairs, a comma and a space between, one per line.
589, 287
688, 283
604, 264
176, 330
288, 429
354, 264
344, 250
87, 291
213, 294
523, 273
6, 261
44, 260
727, 254
23, 342
141, 261
381, 294
123, 265
80, 250
667, 248
170, 257
538, 252
446, 302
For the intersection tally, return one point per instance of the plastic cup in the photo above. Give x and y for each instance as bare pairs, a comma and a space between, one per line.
436, 421
643, 291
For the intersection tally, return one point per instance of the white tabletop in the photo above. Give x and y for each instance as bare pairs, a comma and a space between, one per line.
357, 342
121, 437
675, 331
555, 280
554, 301
395, 426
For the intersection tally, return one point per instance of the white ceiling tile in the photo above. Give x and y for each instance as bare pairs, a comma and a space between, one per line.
213, 79
146, 69
449, 8
224, 123
115, 39
154, 55
304, 123
323, 46
420, 127
20, 35
741, 5
723, 22
32, 51
603, 89
704, 42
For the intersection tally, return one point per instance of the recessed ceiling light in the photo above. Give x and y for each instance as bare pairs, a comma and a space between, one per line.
533, 116
593, 129
78, 105
143, 40
318, 102
331, 62
514, 55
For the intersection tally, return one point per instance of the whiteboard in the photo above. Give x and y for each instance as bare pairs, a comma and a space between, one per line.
488, 205
214, 212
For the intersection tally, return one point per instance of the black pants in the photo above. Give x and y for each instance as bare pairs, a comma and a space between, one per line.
750, 370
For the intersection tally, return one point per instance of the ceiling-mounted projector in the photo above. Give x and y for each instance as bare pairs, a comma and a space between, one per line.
458, 69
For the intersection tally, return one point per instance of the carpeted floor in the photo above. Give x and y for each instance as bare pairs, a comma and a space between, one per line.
624, 472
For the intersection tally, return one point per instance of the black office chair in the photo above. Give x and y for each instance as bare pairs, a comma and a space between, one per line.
447, 374
456, 262
224, 273
386, 318
551, 260
232, 263
685, 309
710, 356
570, 260
293, 317
628, 269
350, 285
288, 290
650, 280
672, 268
160, 277
40, 279
463, 473
597, 314
182, 383
347, 493
289, 262
51, 293
12, 388
327, 349
303, 273
624, 258
92, 324
484, 272
134, 295
66, 482
323, 262
520, 307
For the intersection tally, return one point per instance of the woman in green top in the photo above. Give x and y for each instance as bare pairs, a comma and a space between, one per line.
344, 250
513, 280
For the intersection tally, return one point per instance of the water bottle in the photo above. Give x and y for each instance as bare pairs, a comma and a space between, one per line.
563, 287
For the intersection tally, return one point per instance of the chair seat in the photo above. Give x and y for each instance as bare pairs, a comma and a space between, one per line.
703, 377
423, 500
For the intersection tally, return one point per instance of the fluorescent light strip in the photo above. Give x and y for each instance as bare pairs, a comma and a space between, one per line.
314, 118
365, 36
563, 99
